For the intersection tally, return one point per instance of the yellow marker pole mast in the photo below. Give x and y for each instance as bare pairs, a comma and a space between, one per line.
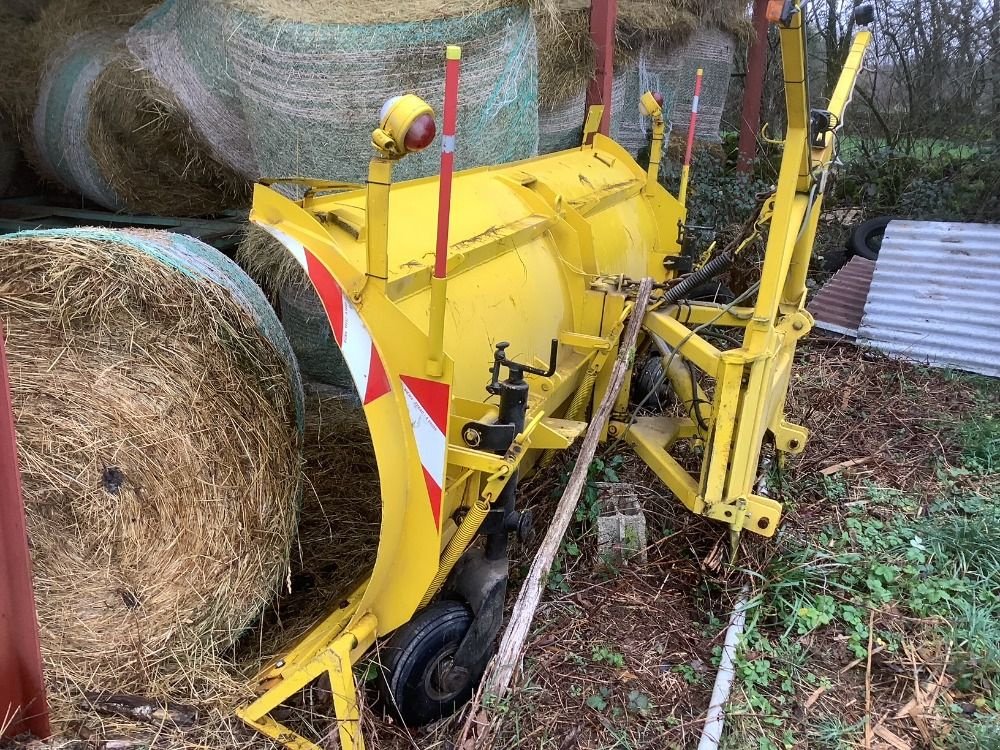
439, 280
686, 170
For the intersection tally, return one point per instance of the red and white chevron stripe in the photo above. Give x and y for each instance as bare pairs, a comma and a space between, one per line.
427, 401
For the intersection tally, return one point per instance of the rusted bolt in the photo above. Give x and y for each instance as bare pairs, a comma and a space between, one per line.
793, 444
612, 430
763, 523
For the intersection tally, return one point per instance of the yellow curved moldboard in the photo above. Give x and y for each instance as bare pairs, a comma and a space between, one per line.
527, 242
406, 412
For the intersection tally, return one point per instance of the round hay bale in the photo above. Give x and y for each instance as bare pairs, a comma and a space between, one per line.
302, 315
712, 50
666, 21
565, 66
146, 147
560, 126
671, 69
342, 503
312, 90
10, 156
158, 414
59, 146
565, 55
59, 22
182, 43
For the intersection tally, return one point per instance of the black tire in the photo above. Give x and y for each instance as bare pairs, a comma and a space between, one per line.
412, 663
865, 239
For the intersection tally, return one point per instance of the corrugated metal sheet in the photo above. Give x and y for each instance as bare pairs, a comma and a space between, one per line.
935, 295
840, 304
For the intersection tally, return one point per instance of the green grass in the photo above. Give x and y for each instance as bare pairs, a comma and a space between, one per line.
926, 574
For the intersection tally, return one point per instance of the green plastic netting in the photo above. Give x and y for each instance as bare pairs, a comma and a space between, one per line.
184, 46
62, 116
311, 93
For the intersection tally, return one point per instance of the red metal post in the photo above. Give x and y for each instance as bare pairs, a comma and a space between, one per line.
453, 59
23, 706
693, 125
753, 88
603, 18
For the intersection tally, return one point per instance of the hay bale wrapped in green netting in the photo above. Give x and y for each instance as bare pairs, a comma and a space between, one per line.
312, 78
61, 120
183, 45
565, 67
669, 41
711, 49
50, 76
302, 314
671, 69
158, 412
146, 147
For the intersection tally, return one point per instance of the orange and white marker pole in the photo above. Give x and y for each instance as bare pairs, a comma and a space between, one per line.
686, 170
439, 279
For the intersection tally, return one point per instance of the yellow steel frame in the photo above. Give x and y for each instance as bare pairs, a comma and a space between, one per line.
415, 553
751, 382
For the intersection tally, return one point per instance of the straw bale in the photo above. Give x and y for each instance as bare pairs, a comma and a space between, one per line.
341, 506
183, 44
565, 56
311, 92
156, 408
61, 55
268, 263
62, 20
365, 12
145, 146
302, 315
58, 147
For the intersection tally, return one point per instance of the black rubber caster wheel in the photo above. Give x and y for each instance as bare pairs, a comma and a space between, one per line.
420, 682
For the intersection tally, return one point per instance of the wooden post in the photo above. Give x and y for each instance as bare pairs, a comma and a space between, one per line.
753, 88
501, 671
603, 19
23, 706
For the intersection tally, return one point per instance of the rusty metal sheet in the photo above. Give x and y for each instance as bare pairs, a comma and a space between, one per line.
840, 304
23, 706
935, 295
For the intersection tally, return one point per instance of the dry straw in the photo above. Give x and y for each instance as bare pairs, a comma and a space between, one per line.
364, 12
144, 144
159, 451
275, 270
268, 262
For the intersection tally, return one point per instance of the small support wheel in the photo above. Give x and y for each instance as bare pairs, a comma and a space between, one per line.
420, 682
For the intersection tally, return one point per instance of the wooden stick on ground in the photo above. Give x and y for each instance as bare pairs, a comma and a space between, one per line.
141, 709
501, 671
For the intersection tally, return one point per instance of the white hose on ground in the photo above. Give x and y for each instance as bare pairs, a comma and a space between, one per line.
716, 718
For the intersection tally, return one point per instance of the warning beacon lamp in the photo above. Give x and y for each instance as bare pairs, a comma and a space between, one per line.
651, 104
406, 125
